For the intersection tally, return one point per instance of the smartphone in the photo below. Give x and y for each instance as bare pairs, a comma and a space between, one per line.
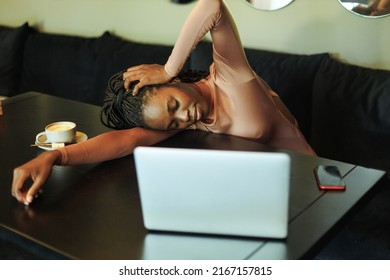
328, 177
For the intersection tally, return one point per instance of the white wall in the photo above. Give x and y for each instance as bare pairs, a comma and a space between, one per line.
304, 27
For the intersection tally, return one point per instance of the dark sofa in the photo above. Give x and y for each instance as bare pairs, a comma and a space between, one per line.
342, 109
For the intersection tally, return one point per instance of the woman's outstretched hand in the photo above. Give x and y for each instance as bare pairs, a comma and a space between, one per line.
38, 169
146, 74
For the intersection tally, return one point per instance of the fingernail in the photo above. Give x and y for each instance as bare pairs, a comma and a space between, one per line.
29, 199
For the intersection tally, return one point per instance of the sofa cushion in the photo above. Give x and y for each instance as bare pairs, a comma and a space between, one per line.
60, 65
116, 54
11, 49
289, 75
351, 106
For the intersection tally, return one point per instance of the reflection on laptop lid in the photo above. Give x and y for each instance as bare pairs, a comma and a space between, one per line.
214, 192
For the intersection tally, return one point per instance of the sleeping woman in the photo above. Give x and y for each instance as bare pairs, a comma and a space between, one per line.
150, 103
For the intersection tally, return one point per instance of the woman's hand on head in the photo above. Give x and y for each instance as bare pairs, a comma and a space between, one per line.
146, 74
38, 169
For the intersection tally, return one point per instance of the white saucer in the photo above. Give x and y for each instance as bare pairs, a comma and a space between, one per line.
41, 140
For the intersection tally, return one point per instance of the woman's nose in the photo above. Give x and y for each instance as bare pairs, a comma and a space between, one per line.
184, 116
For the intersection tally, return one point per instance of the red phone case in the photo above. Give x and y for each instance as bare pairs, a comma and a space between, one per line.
328, 177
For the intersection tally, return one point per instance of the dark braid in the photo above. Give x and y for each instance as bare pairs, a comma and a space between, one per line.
192, 76
122, 110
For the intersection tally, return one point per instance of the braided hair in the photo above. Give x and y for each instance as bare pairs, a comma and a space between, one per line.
122, 110
192, 76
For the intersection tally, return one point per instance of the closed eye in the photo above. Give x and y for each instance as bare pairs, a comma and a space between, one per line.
173, 105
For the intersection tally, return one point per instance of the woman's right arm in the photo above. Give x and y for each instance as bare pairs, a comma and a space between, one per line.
104, 147
111, 145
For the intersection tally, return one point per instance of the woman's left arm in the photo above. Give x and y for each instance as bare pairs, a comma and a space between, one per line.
146, 74
228, 54
207, 15
201, 19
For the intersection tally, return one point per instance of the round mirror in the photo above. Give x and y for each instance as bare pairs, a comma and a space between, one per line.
268, 5
367, 8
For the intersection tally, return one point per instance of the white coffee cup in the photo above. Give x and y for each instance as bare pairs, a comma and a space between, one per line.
61, 132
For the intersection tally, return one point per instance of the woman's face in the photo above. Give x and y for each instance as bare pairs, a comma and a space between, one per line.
176, 106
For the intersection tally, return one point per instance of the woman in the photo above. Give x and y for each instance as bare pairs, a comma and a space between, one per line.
231, 100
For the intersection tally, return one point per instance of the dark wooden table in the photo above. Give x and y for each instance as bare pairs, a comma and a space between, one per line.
93, 211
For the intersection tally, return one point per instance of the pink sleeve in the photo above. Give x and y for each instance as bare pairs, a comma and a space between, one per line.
228, 55
111, 145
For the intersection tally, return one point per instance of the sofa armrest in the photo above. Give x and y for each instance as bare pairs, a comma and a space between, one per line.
351, 106
11, 49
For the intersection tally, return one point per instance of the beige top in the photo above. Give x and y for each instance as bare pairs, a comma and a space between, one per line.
243, 104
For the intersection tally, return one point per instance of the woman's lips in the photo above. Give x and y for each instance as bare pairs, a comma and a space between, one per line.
197, 114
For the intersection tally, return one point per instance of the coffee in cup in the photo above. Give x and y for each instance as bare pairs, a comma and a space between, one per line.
61, 132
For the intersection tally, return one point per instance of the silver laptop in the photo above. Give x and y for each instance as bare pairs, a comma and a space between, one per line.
213, 191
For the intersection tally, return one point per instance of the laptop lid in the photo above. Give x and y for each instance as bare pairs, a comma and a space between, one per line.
213, 191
